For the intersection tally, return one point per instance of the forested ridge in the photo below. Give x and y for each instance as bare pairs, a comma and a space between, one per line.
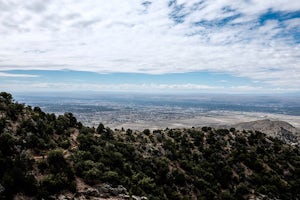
51, 157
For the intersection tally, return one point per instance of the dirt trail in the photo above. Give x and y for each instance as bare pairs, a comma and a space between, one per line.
80, 184
73, 139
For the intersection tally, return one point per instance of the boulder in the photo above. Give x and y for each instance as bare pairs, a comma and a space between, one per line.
62, 197
91, 192
135, 197
106, 189
124, 196
80, 197
1, 189
138, 198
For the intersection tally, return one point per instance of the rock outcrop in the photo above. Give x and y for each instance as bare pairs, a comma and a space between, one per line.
1, 189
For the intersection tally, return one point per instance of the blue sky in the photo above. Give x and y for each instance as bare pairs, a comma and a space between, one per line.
196, 46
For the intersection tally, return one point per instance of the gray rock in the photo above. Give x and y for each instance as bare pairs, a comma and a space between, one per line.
121, 189
2, 189
135, 197
104, 188
62, 197
52, 197
91, 192
104, 195
111, 191
287, 136
124, 196
81, 197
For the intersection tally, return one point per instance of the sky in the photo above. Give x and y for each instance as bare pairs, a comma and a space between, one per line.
217, 46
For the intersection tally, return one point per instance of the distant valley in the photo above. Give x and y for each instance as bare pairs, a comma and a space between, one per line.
140, 111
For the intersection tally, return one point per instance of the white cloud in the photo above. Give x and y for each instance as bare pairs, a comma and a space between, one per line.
60, 86
120, 36
293, 23
166, 88
3, 74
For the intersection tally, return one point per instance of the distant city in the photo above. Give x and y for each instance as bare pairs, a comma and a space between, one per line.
160, 111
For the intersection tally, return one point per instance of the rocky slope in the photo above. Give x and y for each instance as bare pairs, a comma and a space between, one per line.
280, 129
43, 156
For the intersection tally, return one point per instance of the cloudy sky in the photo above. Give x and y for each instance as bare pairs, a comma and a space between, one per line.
240, 46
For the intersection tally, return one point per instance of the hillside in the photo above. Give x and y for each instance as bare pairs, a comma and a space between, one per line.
56, 157
280, 129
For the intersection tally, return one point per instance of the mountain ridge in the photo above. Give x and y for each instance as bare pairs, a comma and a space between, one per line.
274, 128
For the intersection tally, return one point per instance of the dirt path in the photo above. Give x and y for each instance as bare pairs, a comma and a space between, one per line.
73, 139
